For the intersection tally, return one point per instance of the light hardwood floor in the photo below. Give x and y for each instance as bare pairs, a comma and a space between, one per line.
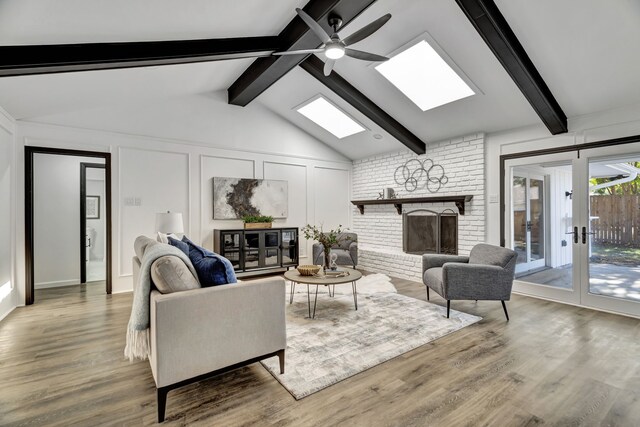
61, 363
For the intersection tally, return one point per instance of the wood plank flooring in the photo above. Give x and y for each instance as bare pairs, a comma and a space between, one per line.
61, 363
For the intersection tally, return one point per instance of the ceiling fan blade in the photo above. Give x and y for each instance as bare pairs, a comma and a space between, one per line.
366, 56
367, 30
315, 27
328, 66
297, 52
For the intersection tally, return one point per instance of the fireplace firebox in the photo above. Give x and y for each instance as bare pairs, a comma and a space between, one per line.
429, 232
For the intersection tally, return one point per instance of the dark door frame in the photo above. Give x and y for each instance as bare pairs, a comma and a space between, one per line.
503, 158
29, 153
83, 215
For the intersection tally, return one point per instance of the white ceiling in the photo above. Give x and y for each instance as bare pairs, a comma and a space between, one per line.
500, 106
29, 97
297, 87
586, 50
85, 21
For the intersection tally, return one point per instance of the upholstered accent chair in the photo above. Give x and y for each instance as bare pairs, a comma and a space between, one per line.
346, 249
486, 274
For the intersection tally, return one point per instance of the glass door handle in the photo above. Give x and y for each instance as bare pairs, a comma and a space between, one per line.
575, 234
584, 234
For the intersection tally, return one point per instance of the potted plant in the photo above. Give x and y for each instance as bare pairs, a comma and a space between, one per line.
326, 238
257, 221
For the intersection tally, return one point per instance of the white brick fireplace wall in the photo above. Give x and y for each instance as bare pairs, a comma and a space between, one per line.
380, 228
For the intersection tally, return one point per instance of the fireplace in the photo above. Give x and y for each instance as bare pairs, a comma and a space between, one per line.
428, 232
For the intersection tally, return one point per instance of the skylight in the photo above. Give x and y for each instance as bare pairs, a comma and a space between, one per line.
331, 118
424, 77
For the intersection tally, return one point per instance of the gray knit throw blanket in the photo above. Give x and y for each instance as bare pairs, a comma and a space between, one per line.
138, 329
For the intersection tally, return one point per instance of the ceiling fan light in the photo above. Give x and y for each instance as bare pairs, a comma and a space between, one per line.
334, 51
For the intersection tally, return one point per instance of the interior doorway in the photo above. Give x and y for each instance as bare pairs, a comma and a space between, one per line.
93, 228
48, 259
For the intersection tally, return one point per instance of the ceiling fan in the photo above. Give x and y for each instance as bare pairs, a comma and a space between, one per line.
333, 47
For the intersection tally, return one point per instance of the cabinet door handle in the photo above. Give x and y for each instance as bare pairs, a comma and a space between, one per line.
575, 234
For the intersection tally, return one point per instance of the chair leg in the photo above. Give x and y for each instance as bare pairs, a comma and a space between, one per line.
161, 402
281, 358
427, 293
504, 307
448, 307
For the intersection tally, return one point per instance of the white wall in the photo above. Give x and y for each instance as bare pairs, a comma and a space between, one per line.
583, 129
7, 218
56, 225
175, 174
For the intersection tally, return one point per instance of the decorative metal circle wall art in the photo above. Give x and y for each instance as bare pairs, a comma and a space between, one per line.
414, 175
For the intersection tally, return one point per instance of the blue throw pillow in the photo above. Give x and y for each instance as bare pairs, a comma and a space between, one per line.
179, 244
212, 268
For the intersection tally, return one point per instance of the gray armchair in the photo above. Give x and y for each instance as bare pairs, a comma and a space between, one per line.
486, 274
346, 249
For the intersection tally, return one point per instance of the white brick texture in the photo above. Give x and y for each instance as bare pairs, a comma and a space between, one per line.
380, 228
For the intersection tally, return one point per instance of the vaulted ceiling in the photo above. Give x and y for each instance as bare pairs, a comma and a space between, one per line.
584, 50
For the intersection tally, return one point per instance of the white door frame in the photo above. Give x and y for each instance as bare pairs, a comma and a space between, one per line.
571, 296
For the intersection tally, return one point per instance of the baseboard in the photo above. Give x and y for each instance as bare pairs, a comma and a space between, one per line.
7, 303
3, 315
56, 284
575, 305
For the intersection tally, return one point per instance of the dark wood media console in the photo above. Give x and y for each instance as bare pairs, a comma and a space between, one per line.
258, 251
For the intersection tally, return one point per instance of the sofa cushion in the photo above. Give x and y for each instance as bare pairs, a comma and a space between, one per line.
170, 274
164, 238
179, 244
433, 279
490, 255
140, 245
212, 269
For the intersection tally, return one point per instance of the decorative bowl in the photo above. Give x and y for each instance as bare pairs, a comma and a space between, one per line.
308, 270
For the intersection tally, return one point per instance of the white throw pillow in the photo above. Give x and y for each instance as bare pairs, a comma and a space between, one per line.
164, 238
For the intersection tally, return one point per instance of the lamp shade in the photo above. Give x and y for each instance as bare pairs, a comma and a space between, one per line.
169, 222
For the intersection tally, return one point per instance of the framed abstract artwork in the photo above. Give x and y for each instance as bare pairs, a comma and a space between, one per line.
234, 198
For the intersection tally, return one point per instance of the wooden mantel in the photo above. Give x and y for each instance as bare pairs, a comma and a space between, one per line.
458, 200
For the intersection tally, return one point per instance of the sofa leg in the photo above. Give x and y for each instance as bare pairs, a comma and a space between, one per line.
281, 358
427, 293
448, 307
504, 307
161, 402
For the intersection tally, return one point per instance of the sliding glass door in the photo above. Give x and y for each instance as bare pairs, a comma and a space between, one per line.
574, 219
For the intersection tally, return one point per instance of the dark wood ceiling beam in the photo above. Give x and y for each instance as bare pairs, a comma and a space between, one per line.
43, 59
496, 32
314, 66
264, 72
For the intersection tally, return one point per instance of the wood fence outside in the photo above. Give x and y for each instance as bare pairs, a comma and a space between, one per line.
618, 220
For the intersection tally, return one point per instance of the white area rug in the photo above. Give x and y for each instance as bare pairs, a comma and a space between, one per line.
341, 342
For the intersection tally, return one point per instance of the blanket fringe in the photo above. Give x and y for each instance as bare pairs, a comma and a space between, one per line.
137, 344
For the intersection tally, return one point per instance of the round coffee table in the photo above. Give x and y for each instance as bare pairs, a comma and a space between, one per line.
351, 276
